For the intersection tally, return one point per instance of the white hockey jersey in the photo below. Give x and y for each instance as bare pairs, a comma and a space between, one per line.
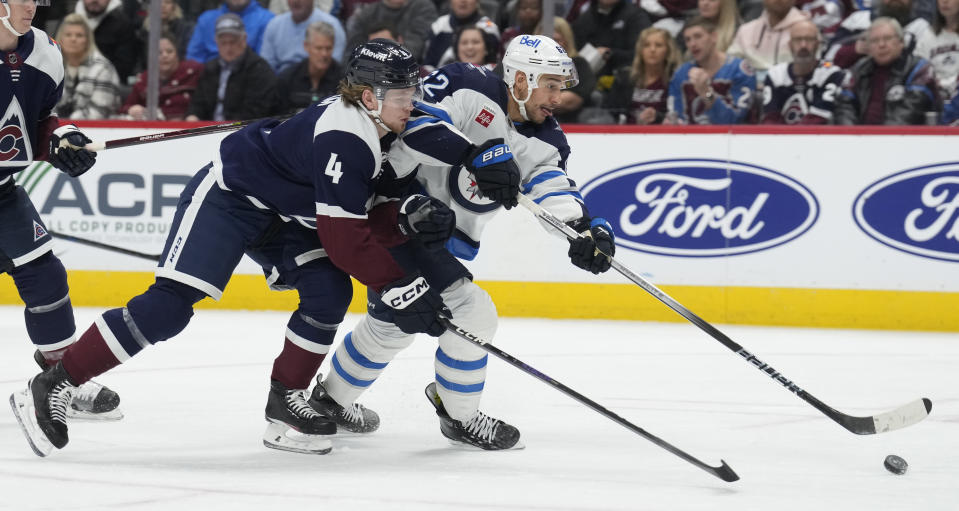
474, 101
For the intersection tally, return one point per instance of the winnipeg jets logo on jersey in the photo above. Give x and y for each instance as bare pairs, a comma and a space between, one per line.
465, 192
15, 149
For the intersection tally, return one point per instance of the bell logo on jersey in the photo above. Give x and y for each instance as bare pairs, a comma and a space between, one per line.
38, 231
15, 149
485, 117
915, 211
701, 207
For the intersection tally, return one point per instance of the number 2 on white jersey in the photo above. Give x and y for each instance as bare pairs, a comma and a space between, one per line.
333, 168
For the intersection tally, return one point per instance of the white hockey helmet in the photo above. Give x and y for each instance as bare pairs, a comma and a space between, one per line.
5, 12
536, 55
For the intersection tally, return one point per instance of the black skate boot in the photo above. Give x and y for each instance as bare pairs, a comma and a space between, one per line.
355, 418
42, 409
480, 430
91, 401
293, 425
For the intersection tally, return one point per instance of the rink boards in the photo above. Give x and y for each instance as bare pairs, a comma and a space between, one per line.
827, 227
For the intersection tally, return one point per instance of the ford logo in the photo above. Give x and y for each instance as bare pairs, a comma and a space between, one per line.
701, 207
915, 211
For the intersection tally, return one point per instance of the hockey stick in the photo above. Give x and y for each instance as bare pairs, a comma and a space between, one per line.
104, 246
171, 135
898, 418
723, 471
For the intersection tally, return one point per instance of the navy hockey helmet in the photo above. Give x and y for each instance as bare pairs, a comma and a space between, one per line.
383, 64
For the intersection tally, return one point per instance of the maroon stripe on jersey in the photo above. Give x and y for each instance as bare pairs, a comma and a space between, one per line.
350, 246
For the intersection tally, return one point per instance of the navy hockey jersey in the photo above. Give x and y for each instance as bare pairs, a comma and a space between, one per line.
319, 168
31, 82
790, 99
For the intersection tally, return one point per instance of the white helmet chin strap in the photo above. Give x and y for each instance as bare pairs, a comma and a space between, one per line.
5, 19
529, 94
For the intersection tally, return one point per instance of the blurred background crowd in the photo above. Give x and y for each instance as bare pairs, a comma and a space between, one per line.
893, 62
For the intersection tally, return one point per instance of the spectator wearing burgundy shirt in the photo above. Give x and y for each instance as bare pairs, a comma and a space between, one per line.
639, 91
178, 79
889, 86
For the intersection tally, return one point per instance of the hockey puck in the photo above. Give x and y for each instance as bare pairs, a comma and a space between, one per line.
895, 464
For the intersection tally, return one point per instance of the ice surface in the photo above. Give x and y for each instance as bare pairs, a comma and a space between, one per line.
191, 438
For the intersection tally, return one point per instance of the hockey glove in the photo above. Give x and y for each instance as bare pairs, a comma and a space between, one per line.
415, 305
426, 219
593, 250
495, 172
67, 151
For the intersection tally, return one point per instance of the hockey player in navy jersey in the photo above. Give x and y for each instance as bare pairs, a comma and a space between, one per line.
31, 82
516, 117
297, 197
803, 91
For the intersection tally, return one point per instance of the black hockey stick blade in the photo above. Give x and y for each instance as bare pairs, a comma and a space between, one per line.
104, 246
898, 418
724, 471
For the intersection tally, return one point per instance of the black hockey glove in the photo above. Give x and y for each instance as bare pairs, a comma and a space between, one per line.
67, 151
415, 305
594, 248
426, 219
495, 171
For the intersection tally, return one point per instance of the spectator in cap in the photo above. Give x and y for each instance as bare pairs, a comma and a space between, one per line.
202, 45
236, 85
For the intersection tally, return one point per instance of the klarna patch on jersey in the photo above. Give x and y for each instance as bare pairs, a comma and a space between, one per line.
701, 207
915, 211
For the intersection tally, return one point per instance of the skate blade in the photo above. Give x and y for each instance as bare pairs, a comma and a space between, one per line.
113, 415
283, 438
463, 446
23, 409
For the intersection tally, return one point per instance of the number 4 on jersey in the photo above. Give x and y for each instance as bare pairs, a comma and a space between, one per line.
333, 168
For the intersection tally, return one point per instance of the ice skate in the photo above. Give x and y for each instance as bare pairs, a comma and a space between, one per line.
480, 430
293, 425
355, 418
91, 401
41, 410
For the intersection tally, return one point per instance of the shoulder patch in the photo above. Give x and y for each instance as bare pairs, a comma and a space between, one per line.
746, 68
485, 117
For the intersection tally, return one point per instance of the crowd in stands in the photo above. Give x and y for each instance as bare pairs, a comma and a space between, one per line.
893, 62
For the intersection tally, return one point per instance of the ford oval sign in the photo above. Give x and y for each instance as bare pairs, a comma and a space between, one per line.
916, 211
700, 207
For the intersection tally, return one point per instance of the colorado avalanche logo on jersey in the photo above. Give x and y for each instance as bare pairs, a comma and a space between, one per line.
15, 149
466, 193
701, 207
915, 211
38, 231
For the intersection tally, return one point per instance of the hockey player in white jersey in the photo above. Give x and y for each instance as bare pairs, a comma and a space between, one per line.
516, 117
31, 82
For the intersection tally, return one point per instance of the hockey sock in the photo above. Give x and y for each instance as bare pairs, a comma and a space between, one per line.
89, 356
42, 284
295, 367
307, 342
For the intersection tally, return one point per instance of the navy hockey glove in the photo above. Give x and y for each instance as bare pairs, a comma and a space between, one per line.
67, 152
594, 248
495, 172
426, 219
415, 305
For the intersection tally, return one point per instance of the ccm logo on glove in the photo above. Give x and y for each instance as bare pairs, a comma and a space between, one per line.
401, 297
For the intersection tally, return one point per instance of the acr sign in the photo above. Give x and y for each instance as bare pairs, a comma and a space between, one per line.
701, 207
915, 211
